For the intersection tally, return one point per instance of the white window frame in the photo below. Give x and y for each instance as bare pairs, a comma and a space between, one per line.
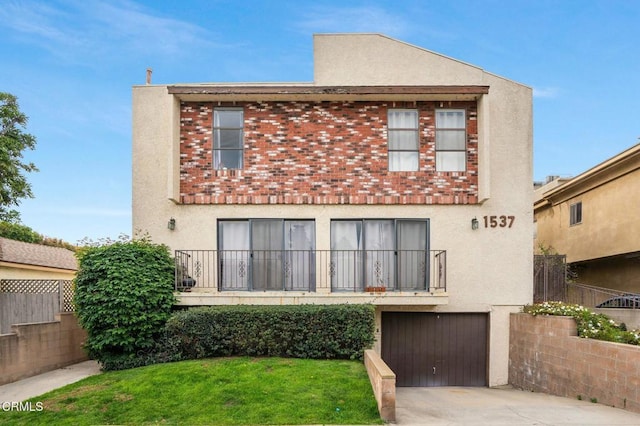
443, 153
396, 166
217, 150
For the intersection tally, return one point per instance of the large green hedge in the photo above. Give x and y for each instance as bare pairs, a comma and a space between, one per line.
123, 297
300, 331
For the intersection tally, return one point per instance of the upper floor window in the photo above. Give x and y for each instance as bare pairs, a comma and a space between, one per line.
403, 140
451, 140
228, 138
575, 213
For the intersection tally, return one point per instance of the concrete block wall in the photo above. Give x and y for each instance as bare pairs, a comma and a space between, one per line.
545, 355
383, 382
321, 153
40, 347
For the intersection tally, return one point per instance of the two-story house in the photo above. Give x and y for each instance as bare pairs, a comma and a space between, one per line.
593, 220
399, 177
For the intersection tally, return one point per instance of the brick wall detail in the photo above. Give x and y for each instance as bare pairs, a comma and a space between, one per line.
320, 153
545, 355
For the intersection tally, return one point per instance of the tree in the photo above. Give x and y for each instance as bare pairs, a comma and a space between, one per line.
13, 141
20, 232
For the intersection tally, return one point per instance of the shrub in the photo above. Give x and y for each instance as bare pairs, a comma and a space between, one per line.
19, 232
123, 297
300, 331
590, 325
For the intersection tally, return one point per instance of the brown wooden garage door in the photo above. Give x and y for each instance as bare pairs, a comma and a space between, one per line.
428, 349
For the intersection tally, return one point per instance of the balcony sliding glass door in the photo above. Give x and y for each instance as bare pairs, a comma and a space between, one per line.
267, 254
389, 253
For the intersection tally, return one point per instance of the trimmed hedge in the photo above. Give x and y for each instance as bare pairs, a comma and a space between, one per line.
299, 331
123, 297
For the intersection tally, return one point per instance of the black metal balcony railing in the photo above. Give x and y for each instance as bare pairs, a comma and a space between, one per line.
308, 270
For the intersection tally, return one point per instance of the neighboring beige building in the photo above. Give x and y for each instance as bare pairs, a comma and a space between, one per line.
27, 261
593, 219
398, 177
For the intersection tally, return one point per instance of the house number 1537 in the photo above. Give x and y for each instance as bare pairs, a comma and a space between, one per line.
499, 221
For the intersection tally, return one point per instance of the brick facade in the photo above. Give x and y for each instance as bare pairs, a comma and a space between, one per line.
320, 153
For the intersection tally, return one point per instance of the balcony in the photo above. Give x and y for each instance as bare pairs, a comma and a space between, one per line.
324, 272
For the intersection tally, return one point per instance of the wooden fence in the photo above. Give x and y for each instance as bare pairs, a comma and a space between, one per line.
31, 301
549, 278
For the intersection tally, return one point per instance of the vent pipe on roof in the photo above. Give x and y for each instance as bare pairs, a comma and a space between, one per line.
149, 71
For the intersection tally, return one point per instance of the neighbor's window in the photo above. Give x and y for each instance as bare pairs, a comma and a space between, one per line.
451, 140
403, 140
227, 138
575, 213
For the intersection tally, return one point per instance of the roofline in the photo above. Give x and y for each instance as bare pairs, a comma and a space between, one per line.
310, 91
35, 267
427, 50
618, 160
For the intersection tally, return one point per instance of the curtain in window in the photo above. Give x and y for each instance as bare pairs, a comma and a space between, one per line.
451, 140
412, 254
299, 246
234, 255
267, 243
400, 161
227, 138
379, 253
379, 248
403, 140
267, 254
346, 255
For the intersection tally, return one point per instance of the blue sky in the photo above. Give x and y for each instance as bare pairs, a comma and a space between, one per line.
72, 64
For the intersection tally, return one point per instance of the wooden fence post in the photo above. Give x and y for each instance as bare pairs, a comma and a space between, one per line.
61, 295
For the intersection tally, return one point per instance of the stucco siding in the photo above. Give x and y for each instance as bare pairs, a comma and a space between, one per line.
374, 59
606, 219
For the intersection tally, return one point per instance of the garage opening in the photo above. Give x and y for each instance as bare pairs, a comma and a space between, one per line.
435, 349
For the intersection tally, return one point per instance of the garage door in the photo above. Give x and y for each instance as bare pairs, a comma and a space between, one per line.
428, 349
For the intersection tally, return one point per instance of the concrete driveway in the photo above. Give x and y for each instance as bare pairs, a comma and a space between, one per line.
501, 406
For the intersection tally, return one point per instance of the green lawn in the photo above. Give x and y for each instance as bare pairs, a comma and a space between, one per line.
228, 391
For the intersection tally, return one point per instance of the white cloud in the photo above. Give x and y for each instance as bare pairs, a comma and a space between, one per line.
354, 19
545, 92
94, 29
37, 22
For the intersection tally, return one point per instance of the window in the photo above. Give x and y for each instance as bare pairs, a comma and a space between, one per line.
575, 213
379, 253
451, 140
227, 138
403, 140
266, 254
